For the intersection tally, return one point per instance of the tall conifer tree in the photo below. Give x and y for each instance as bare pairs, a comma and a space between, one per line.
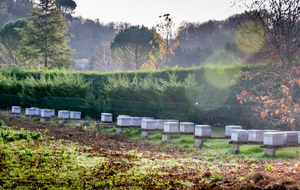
44, 39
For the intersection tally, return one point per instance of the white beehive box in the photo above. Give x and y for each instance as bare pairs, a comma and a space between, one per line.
273, 138
38, 111
187, 127
149, 124
52, 112
171, 127
256, 135
106, 117
290, 137
16, 109
123, 121
75, 115
239, 135
135, 121
30, 111
45, 113
203, 130
35, 108
229, 128
298, 137
63, 114
159, 124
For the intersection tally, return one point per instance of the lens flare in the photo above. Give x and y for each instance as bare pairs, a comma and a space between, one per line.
250, 36
220, 82
217, 77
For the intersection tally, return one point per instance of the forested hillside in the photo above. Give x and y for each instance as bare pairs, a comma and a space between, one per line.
199, 43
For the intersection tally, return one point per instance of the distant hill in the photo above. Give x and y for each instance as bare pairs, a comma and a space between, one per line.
198, 39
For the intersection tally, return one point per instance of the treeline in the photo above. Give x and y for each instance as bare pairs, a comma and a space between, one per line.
100, 84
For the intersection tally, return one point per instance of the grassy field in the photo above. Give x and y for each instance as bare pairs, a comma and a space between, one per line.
31, 160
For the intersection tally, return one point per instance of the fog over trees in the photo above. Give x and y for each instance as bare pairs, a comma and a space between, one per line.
199, 43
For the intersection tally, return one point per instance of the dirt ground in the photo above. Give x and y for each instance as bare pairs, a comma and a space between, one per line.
283, 176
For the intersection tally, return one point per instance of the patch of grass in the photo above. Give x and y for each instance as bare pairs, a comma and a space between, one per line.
155, 136
34, 119
218, 131
184, 139
217, 143
250, 149
287, 153
132, 132
107, 129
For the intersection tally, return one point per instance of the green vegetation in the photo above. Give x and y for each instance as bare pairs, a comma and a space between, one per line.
201, 94
131, 47
44, 39
30, 164
7, 135
29, 161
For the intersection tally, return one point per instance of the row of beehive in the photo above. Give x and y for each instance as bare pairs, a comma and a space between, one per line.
47, 113
266, 137
169, 125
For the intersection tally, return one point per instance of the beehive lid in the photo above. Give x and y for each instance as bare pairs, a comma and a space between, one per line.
239, 131
202, 126
266, 134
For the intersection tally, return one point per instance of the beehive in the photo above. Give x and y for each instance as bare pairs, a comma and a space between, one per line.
171, 127
149, 124
229, 128
135, 121
256, 136
273, 138
75, 115
16, 109
187, 127
290, 137
106, 117
203, 130
30, 111
63, 114
45, 113
123, 121
239, 135
35, 108
37, 111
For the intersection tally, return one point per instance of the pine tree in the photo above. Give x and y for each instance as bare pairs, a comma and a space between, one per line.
44, 39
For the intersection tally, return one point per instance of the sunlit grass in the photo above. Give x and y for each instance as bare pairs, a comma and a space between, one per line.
215, 147
49, 163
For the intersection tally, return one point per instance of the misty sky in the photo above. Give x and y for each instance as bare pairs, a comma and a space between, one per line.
141, 12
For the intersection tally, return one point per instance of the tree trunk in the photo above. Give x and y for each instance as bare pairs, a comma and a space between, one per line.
136, 59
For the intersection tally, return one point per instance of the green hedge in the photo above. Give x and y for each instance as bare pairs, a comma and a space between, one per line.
199, 94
